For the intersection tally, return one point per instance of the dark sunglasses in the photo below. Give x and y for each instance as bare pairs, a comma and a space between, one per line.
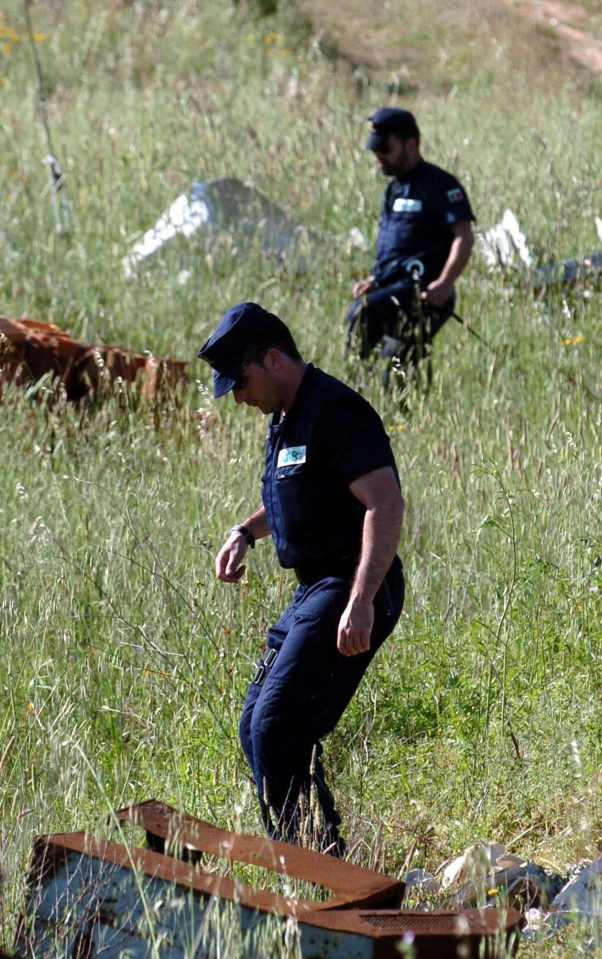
241, 380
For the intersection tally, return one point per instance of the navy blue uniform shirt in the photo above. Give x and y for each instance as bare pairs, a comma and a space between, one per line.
330, 437
415, 222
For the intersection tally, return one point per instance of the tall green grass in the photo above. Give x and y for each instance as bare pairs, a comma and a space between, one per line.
124, 662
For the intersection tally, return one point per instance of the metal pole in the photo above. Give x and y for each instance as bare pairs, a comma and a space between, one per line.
56, 177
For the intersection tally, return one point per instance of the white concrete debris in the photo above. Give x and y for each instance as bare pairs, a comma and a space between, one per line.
504, 241
476, 862
356, 240
185, 216
580, 900
226, 208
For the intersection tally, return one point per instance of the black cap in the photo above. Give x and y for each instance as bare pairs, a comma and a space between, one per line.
225, 349
391, 120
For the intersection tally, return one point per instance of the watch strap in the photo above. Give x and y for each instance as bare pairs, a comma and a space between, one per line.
248, 535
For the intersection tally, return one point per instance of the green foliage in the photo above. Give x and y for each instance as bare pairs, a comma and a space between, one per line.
124, 662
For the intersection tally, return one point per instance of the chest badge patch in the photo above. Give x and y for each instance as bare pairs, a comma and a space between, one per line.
406, 205
292, 456
454, 196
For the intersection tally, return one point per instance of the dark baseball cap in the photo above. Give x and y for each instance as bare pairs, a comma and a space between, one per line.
391, 120
238, 329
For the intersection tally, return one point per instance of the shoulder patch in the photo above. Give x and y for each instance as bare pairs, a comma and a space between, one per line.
455, 195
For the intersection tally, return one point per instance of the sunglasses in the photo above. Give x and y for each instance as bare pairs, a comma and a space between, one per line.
241, 381
243, 377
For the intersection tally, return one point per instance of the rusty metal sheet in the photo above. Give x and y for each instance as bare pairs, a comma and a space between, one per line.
31, 349
88, 898
351, 885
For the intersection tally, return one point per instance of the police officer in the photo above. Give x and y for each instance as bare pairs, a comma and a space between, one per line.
424, 240
332, 504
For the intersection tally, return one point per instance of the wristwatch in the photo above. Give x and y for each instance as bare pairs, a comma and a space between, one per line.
248, 535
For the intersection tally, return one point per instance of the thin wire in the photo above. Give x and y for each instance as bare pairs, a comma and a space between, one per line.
471, 329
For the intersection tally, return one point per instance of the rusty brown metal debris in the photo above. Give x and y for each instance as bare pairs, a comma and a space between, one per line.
88, 896
31, 349
350, 884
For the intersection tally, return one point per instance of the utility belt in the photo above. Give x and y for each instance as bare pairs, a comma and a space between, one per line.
307, 573
264, 666
410, 269
312, 570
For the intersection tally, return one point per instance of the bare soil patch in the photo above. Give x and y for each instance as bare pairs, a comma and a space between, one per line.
582, 47
434, 44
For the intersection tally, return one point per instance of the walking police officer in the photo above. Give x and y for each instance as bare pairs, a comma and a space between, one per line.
332, 504
425, 238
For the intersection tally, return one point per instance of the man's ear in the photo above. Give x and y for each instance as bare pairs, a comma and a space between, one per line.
273, 360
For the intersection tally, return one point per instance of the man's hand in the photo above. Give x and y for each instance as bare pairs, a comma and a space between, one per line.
438, 292
362, 286
228, 561
355, 628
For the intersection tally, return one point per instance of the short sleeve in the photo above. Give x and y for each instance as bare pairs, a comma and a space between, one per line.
358, 442
455, 205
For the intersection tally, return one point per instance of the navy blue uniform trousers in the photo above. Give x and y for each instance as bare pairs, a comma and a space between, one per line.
380, 316
303, 697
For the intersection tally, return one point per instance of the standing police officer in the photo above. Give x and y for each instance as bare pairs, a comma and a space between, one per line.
425, 239
333, 507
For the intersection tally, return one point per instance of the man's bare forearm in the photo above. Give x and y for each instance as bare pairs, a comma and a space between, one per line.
439, 291
257, 523
459, 256
379, 493
380, 539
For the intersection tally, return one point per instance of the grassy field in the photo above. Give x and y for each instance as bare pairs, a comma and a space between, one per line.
123, 662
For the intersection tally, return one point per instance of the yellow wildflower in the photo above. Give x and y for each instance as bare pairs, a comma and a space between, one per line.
573, 340
7, 33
